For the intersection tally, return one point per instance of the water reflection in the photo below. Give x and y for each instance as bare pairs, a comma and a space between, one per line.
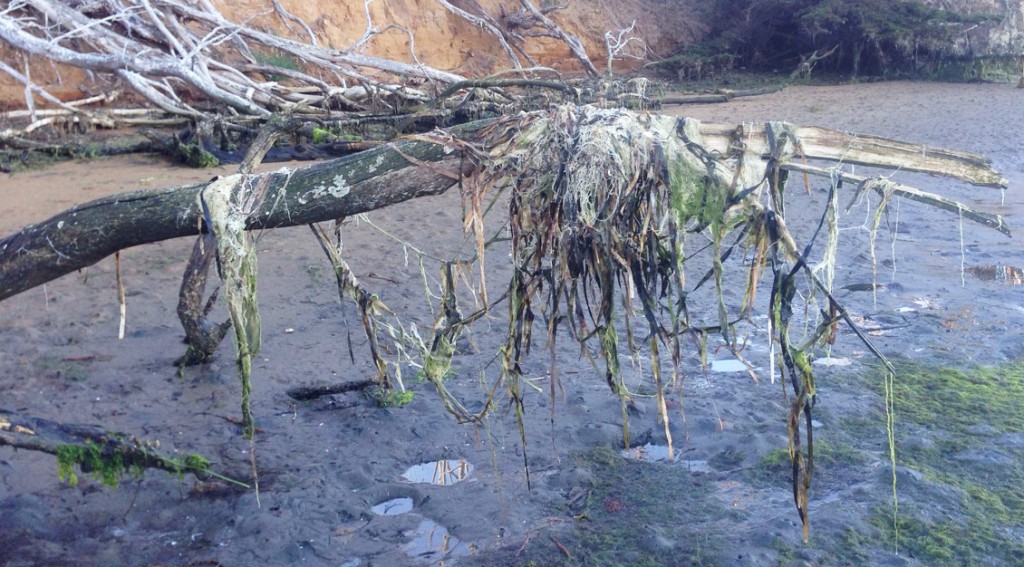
1009, 274
432, 543
393, 507
651, 453
443, 472
648, 452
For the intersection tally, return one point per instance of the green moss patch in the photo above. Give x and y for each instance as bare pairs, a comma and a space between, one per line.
830, 458
956, 400
956, 426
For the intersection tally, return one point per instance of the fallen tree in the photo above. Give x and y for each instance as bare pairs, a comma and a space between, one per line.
348, 186
597, 198
601, 202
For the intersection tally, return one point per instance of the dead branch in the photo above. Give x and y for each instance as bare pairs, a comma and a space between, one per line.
616, 44
129, 144
807, 62
719, 97
147, 44
575, 45
988, 219
500, 84
201, 336
487, 23
287, 16
306, 393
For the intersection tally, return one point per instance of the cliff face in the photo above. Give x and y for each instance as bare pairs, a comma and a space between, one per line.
433, 35
447, 41
424, 29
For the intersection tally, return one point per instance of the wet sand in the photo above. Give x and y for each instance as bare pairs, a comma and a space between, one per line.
325, 465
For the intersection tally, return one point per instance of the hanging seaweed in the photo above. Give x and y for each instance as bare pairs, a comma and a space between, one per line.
370, 306
602, 204
227, 204
604, 208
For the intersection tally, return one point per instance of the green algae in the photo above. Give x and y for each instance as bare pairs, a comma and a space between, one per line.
964, 414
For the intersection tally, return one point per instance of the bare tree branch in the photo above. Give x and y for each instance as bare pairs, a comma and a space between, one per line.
575, 45
486, 22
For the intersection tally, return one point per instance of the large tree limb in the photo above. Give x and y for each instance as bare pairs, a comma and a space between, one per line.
766, 139
85, 234
574, 43
487, 23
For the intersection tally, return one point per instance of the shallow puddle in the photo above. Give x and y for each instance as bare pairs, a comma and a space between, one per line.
393, 507
443, 472
651, 453
728, 365
1008, 274
832, 361
431, 544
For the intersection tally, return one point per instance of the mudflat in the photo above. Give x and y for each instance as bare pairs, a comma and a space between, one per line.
344, 481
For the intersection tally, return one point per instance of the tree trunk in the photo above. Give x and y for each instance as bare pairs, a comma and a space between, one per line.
85, 234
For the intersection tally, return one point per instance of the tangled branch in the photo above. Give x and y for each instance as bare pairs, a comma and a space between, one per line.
170, 51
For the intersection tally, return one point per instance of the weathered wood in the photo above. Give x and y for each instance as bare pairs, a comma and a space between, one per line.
575, 45
128, 144
202, 336
298, 152
988, 219
719, 97
810, 142
312, 392
85, 234
695, 99
162, 55
501, 83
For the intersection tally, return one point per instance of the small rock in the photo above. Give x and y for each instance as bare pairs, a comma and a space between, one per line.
903, 474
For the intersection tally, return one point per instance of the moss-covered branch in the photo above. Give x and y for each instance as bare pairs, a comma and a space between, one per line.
107, 455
